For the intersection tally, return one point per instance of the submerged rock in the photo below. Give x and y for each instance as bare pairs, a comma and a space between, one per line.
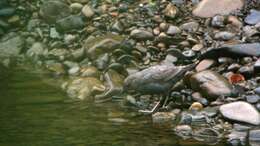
210, 8
83, 88
100, 45
11, 45
253, 18
211, 84
163, 118
233, 51
240, 112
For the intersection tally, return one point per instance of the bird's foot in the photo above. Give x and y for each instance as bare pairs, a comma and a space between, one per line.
151, 111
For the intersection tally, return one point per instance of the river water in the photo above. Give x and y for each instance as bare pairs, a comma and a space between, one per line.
34, 112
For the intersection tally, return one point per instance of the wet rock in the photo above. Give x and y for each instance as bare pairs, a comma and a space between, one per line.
233, 51
218, 21
205, 64
7, 12
88, 11
115, 83
254, 137
84, 88
257, 66
196, 106
37, 49
257, 90
190, 27
90, 71
163, 118
100, 45
240, 112
141, 35
76, 7
224, 36
170, 11
59, 54
237, 138
252, 98
52, 11
253, 18
207, 135
11, 45
102, 61
54, 34
56, 68
70, 23
189, 54
211, 84
196, 96
173, 30
184, 131
209, 8
247, 71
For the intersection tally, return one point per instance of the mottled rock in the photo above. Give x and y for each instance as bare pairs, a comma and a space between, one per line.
170, 11
52, 11
210, 8
253, 18
163, 118
90, 71
76, 7
84, 88
218, 21
141, 35
87, 11
173, 30
190, 26
37, 49
94, 47
240, 112
211, 84
205, 64
11, 45
184, 131
70, 23
252, 98
224, 36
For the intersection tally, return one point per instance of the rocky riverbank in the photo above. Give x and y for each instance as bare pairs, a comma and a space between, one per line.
97, 44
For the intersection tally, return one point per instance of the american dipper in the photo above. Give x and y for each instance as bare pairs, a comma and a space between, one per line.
158, 79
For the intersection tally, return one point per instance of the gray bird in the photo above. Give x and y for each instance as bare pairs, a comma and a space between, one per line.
158, 79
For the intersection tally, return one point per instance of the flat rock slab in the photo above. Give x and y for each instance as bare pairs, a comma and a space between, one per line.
241, 112
253, 17
210, 8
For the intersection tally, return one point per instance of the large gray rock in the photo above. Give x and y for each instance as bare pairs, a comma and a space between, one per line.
70, 23
11, 45
234, 51
210, 8
253, 17
241, 112
52, 11
211, 84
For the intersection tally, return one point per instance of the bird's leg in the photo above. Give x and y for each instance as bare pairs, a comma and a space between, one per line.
165, 99
157, 105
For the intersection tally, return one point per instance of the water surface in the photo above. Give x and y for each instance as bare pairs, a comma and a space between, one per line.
34, 113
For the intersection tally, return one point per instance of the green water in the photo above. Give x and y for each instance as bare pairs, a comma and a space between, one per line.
34, 113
